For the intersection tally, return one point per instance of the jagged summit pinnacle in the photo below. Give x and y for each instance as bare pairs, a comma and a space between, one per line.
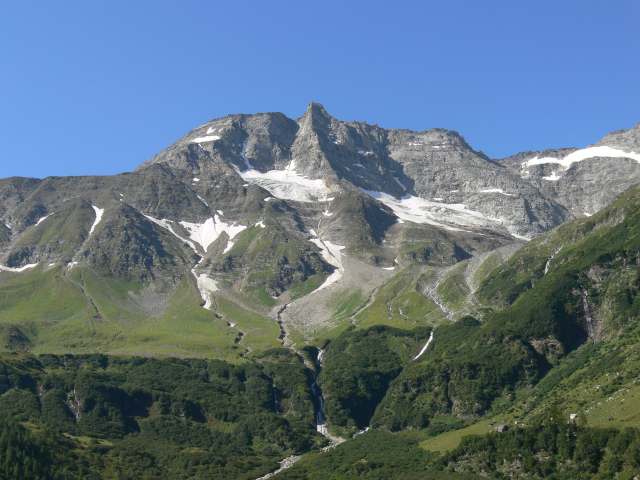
315, 116
317, 108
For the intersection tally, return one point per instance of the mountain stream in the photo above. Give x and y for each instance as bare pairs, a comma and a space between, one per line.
431, 294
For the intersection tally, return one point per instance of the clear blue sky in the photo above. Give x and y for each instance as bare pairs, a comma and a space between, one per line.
98, 87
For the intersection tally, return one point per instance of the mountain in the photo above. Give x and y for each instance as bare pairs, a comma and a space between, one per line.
248, 214
360, 277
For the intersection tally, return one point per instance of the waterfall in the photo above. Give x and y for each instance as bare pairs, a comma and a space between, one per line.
425, 346
587, 313
321, 424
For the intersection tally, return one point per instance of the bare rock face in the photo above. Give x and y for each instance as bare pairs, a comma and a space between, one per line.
583, 181
628, 140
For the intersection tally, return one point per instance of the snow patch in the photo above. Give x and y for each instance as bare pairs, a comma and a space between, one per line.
497, 190
400, 183
332, 255
244, 153
327, 213
419, 210
358, 165
199, 197
164, 223
208, 138
260, 224
520, 237
552, 178
99, 212
583, 154
388, 268
268, 199
206, 233
287, 184
206, 286
18, 269
587, 214
196, 179
210, 130
220, 212
228, 247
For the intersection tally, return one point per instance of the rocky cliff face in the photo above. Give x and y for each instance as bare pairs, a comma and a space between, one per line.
583, 181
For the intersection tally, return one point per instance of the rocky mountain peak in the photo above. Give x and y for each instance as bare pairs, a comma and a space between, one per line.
316, 109
315, 119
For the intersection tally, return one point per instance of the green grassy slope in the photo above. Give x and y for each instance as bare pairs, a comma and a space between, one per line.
82, 311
